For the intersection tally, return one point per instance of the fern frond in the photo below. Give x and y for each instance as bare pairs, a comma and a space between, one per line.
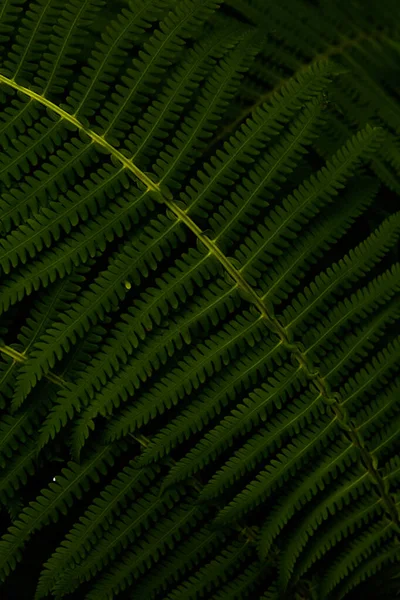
208, 64
355, 486
367, 509
179, 560
199, 285
108, 55
217, 570
54, 65
290, 421
216, 303
98, 517
23, 198
202, 410
203, 361
159, 53
191, 137
243, 147
54, 500
164, 535
147, 510
235, 215
341, 275
47, 227
340, 456
388, 554
380, 534
103, 297
245, 416
354, 482
280, 276
286, 462
78, 249
242, 585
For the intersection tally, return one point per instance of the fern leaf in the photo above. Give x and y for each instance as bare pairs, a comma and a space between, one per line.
51, 503
282, 225
242, 585
82, 246
280, 470
362, 257
160, 52
254, 191
378, 534
102, 298
354, 485
204, 360
266, 121
217, 570
340, 456
243, 418
196, 128
88, 91
180, 560
177, 524
10, 11
388, 554
368, 509
23, 198
201, 411
124, 488
47, 226
199, 270
147, 509
288, 421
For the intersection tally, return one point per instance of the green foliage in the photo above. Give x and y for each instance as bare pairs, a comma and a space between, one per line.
199, 298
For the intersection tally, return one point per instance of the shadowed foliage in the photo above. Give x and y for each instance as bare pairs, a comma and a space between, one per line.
199, 299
